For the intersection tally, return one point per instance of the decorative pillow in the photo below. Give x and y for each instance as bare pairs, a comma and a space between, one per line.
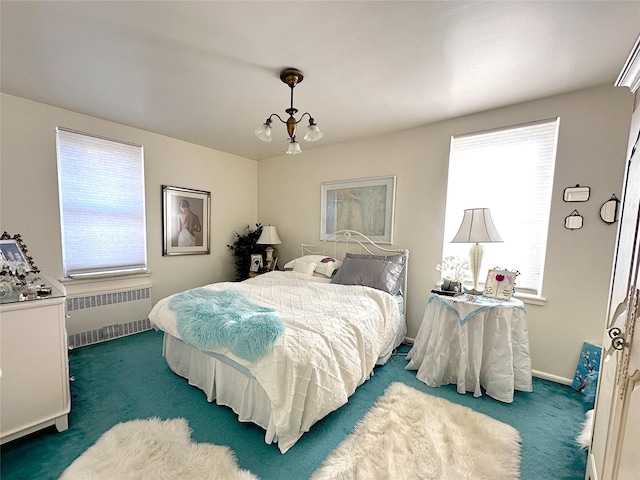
302, 266
369, 271
396, 258
328, 266
324, 265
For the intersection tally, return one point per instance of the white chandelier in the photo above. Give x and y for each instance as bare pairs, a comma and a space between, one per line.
291, 76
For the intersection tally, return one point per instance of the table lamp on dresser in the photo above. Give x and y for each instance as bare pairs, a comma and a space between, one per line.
477, 227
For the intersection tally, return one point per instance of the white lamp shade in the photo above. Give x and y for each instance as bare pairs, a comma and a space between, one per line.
294, 148
477, 227
313, 133
269, 236
264, 132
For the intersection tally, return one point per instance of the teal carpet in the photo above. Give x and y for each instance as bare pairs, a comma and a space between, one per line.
126, 379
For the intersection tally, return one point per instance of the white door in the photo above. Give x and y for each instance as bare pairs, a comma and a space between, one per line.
615, 447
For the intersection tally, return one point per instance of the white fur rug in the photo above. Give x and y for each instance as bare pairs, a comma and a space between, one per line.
411, 435
154, 449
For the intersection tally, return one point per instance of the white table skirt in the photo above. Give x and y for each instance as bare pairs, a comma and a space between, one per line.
472, 345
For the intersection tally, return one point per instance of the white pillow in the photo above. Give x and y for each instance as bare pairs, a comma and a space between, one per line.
325, 265
302, 266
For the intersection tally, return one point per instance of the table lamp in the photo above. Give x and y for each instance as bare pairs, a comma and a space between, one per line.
269, 236
477, 227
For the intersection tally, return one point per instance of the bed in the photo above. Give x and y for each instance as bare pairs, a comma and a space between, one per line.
341, 318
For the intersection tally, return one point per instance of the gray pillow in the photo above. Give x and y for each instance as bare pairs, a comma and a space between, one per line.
371, 271
397, 258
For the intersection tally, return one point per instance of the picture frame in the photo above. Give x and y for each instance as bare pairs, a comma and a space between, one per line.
366, 205
15, 253
186, 221
256, 263
500, 284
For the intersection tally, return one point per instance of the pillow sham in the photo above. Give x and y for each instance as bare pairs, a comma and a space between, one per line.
325, 265
302, 266
397, 258
372, 271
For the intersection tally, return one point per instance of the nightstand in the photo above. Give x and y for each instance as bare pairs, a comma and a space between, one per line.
474, 342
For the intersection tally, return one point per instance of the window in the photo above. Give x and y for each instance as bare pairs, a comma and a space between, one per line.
510, 171
101, 190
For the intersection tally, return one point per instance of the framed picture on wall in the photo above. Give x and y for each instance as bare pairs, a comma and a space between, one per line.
365, 205
186, 220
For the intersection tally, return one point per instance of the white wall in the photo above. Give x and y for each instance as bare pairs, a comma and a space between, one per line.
594, 128
29, 191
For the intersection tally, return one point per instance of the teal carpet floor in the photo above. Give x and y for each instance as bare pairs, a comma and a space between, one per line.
127, 379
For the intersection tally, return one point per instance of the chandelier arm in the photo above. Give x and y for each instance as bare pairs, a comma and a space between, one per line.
305, 113
278, 116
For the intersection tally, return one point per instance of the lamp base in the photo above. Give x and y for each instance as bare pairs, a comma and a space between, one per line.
269, 251
473, 291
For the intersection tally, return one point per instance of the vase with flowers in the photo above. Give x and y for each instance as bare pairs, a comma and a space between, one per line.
454, 271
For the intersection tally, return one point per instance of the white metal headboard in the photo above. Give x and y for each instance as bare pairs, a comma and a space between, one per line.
348, 239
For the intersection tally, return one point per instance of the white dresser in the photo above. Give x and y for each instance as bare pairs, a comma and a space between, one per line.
34, 367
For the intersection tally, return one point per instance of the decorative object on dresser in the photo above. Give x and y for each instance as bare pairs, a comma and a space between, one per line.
410, 434
34, 392
366, 205
476, 227
186, 220
269, 237
292, 77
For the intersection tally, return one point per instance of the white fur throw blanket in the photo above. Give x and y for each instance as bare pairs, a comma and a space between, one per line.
154, 449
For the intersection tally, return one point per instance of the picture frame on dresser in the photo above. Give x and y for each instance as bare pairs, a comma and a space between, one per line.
186, 221
15, 253
366, 205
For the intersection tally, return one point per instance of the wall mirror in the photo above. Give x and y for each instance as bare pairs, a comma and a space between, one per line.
574, 221
609, 210
577, 194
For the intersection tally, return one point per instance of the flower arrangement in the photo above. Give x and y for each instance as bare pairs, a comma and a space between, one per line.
454, 269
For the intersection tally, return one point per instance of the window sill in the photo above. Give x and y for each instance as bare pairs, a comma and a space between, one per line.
101, 284
530, 299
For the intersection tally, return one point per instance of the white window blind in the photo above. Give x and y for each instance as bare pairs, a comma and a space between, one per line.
101, 191
510, 171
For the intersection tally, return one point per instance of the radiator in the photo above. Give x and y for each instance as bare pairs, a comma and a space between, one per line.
102, 316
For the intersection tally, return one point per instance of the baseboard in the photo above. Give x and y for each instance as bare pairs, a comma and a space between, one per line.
552, 378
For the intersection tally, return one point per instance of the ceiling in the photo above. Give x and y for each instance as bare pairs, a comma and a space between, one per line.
207, 72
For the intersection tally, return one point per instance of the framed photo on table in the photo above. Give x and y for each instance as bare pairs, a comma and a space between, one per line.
186, 220
365, 205
256, 263
500, 284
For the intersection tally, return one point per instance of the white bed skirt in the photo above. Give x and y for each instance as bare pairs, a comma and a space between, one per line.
221, 383
228, 385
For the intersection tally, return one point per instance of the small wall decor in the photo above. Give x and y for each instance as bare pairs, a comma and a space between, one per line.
365, 205
573, 221
609, 210
576, 194
186, 216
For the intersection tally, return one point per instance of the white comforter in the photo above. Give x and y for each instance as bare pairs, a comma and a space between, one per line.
334, 336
